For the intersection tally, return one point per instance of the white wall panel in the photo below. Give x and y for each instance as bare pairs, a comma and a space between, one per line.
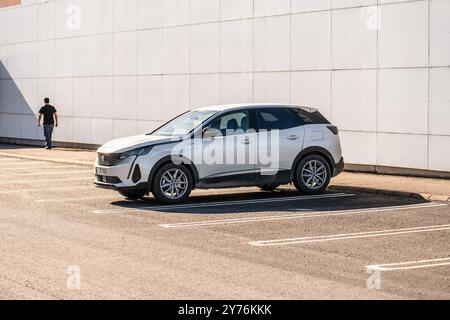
102, 55
13, 18
103, 16
63, 97
176, 50
149, 13
65, 18
149, 51
236, 46
439, 33
236, 9
355, 100
124, 98
270, 7
29, 60
312, 89
440, 101
175, 12
102, 97
204, 11
352, 3
102, 130
175, 95
124, 128
82, 54
308, 5
29, 23
124, 15
402, 150
271, 87
403, 101
45, 59
439, 153
124, 51
354, 44
149, 100
403, 37
45, 21
311, 41
82, 97
62, 57
272, 46
236, 88
204, 90
204, 48
366, 150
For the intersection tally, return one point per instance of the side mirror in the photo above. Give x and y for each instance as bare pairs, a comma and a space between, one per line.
210, 134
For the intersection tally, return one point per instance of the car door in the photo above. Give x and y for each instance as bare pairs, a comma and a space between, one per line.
226, 151
280, 139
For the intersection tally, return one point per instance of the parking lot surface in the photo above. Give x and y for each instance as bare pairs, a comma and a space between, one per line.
223, 244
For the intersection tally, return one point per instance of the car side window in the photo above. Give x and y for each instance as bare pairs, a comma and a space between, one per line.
231, 123
277, 119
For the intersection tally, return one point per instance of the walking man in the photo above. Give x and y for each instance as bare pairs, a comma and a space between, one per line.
50, 120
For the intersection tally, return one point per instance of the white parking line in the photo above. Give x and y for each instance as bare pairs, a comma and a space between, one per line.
346, 236
298, 216
49, 173
22, 162
420, 264
46, 189
74, 199
3, 182
18, 169
227, 203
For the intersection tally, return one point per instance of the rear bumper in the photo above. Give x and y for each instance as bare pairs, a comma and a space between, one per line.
339, 168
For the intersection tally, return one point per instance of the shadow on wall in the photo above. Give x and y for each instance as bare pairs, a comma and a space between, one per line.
17, 118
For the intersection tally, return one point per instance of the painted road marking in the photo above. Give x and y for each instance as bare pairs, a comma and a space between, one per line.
297, 216
22, 162
49, 172
227, 203
89, 187
44, 180
18, 169
420, 264
80, 198
346, 236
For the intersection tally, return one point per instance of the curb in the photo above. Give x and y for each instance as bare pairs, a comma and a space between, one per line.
75, 162
420, 196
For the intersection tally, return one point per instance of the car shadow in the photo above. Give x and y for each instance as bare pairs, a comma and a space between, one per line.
283, 200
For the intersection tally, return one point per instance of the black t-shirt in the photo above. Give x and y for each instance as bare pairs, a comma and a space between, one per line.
48, 111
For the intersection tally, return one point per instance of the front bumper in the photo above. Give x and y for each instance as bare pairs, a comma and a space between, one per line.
127, 175
339, 168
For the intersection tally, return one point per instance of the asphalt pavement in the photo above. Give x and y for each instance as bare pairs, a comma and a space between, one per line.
61, 238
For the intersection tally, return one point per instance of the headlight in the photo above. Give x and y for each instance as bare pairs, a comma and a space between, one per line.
136, 152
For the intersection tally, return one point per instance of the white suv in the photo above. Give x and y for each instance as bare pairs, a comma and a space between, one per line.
265, 145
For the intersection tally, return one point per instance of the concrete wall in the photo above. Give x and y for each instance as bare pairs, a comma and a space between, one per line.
133, 64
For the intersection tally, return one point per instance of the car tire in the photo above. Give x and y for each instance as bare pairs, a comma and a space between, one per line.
269, 188
313, 175
172, 184
133, 195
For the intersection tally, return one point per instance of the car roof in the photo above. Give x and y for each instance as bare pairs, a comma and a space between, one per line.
231, 107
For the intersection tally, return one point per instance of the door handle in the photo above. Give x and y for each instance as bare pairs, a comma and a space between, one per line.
246, 141
293, 137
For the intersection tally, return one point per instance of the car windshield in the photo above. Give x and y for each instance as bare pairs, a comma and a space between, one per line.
184, 124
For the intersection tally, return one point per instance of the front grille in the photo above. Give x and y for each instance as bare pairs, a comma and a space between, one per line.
108, 159
107, 179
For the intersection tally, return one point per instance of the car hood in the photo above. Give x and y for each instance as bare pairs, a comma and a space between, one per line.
134, 142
